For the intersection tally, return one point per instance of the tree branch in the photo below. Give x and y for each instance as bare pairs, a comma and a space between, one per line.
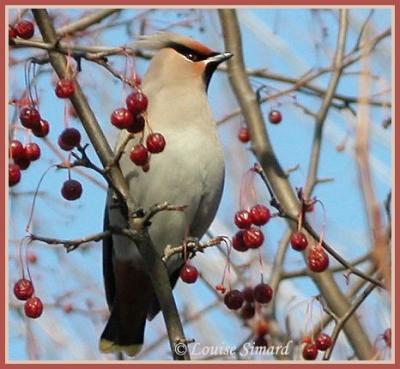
342, 320
337, 69
263, 150
71, 245
380, 252
156, 268
86, 22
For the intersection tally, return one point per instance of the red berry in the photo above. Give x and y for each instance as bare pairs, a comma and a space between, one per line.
318, 259
238, 243
16, 149
122, 118
23, 289
387, 337
71, 190
139, 155
263, 293
155, 143
323, 342
310, 351
298, 240
244, 134
261, 341
247, 311
32, 151
70, 137
306, 339
33, 307
260, 215
29, 117
12, 33
253, 238
14, 174
220, 288
137, 125
25, 29
243, 219
233, 300
68, 308
262, 327
248, 294
275, 116
23, 163
63, 146
65, 88
42, 130
137, 102
32, 258
189, 273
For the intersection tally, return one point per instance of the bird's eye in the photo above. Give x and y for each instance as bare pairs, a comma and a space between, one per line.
191, 56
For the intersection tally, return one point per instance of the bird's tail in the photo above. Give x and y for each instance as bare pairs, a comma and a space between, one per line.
122, 336
130, 299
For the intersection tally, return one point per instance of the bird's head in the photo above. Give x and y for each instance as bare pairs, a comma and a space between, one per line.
180, 58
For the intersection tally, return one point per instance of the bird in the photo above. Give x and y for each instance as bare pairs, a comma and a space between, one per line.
189, 172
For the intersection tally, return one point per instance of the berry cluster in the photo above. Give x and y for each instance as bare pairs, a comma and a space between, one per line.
23, 29
132, 119
317, 258
24, 291
274, 117
67, 141
235, 299
23, 155
250, 235
322, 343
140, 154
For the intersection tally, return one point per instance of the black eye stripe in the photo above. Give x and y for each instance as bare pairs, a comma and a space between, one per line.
189, 53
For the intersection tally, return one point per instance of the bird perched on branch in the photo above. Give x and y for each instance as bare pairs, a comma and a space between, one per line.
189, 172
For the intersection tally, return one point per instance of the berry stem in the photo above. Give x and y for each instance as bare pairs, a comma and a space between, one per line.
323, 222
28, 225
66, 115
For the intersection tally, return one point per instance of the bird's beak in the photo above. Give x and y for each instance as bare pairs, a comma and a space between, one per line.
219, 58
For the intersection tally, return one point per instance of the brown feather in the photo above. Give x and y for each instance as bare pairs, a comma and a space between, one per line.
161, 40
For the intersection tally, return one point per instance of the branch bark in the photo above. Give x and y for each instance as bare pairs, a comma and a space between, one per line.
157, 269
380, 246
263, 150
337, 68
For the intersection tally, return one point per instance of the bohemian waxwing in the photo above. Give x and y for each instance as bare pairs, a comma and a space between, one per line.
190, 171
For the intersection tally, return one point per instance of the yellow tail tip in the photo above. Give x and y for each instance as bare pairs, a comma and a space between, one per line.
109, 347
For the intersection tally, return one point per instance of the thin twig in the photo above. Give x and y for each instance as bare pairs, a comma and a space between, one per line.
337, 69
263, 150
342, 321
157, 270
71, 245
191, 247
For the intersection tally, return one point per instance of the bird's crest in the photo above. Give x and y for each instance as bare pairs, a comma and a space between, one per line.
161, 40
